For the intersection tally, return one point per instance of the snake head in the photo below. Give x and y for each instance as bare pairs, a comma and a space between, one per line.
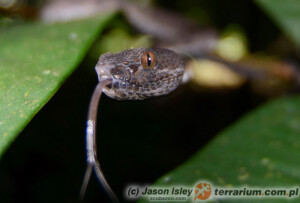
140, 73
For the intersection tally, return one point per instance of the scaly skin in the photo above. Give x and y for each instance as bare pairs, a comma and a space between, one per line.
131, 81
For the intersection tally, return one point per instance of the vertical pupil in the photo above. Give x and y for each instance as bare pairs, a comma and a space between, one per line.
149, 60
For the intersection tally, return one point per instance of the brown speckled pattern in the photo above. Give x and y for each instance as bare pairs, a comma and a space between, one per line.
130, 81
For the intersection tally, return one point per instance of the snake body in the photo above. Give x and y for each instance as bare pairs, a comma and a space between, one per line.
140, 73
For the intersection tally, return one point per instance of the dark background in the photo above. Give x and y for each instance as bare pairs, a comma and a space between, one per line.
138, 141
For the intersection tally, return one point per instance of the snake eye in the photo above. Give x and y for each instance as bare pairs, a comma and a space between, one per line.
148, 60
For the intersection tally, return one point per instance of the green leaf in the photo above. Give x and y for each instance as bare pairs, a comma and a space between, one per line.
286, 14
35, 59
262, 149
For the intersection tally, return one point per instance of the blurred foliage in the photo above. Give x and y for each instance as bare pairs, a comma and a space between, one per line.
35, 59
286, 14
233, 43
260, 150
117, 40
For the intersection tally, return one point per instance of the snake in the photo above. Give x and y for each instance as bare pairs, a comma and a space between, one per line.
133, 74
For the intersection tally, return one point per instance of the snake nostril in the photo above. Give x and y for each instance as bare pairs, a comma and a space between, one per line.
109, 86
